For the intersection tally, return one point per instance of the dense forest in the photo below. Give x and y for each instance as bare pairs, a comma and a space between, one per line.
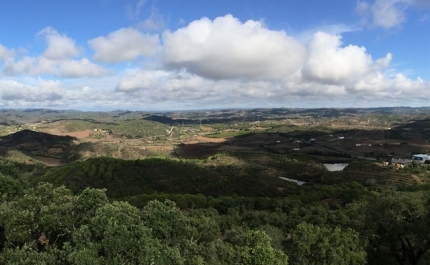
119, 221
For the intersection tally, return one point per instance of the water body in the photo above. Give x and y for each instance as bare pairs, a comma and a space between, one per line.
299, 182
335, 166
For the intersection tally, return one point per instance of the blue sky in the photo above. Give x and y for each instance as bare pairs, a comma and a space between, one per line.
193, 54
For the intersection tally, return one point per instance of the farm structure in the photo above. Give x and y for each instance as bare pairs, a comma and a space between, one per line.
420, 158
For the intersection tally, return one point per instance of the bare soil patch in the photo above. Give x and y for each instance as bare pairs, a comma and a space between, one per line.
417, 179
60, 131
78, 135
210, 140
48, 161
159, 148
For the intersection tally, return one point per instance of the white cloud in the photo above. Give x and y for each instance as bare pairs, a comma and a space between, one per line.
210, 63
386, 14
59, 46
330, 63
31, 92
123, 45
160, 85
56, 60
45, 91
82, 67
139, 81
225, 48
231, 63
64, 68
5, 53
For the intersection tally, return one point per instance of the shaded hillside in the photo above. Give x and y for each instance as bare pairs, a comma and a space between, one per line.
160, 119
29, 136
37, 143
128, 178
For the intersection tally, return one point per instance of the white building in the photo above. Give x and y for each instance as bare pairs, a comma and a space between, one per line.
420, 158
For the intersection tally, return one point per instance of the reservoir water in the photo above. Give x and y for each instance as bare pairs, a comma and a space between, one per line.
335, 166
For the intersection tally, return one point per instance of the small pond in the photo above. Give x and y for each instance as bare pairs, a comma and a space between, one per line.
335, 166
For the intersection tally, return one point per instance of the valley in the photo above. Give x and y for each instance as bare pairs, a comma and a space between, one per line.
250, 170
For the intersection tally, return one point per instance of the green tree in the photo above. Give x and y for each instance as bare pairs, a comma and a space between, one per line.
257, 250
44, 211
117, 235
315, 245
9, 187
396, 225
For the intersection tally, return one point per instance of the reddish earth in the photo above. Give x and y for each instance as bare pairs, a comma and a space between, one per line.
79, 135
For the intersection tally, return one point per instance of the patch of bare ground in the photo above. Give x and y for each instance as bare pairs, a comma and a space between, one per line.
61, 131
79, 135
258, 128
48, 161
159, 148
210, 140
417, 179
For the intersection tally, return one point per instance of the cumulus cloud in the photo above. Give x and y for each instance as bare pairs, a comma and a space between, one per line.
82, 67
5, 53
123, 45
59, 46
330, 63
64, 68
56, 60
161, 85
45, 91
225, 48
31, 92
386, 14
234, 63
378, 84
169, 88
212, 63
139, 81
